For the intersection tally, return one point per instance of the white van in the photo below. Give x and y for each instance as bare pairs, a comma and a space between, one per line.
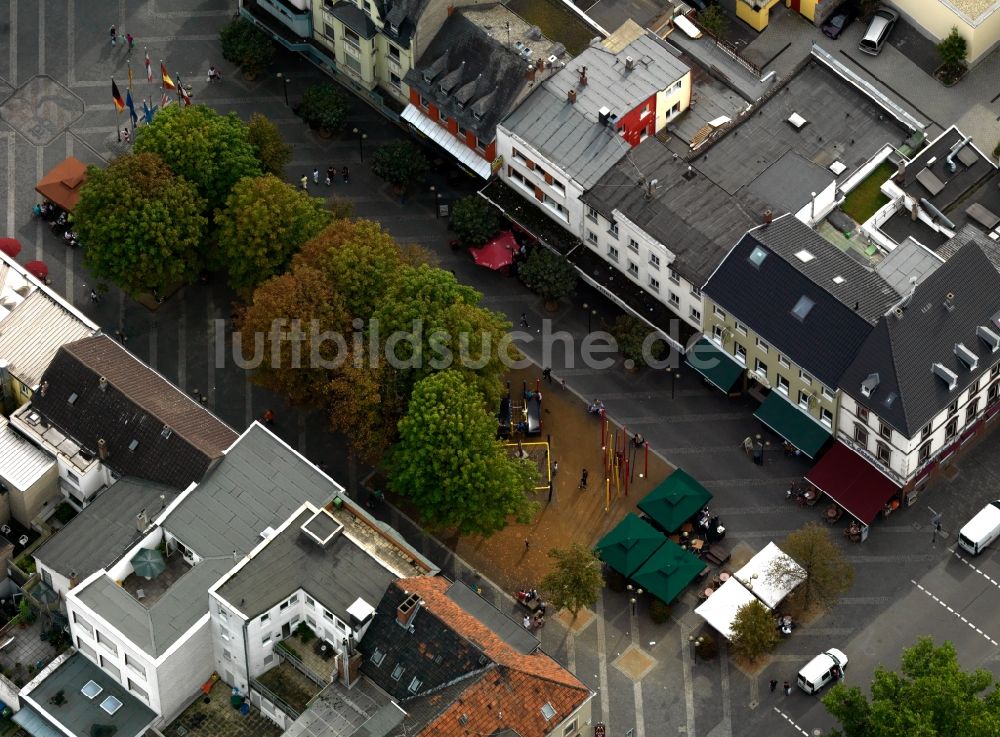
982, 529
821, 670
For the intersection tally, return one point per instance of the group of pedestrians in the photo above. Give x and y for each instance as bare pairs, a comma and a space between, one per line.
128, 41
331, 176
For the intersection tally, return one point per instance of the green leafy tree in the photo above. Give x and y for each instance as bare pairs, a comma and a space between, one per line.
713, 20
754, 630
211, 151
931, 696
324, 107
822, 574
449, 464
474, 220
576, 580
268, 145
548, 274
247, 46
449, 328
953, 51
400, 163
142, 224
263, 223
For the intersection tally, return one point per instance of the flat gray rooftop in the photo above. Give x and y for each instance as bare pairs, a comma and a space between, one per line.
511, 632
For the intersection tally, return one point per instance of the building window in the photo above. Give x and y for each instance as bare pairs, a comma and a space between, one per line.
974, 388
102, 639
86, 649
953, 409
995, 371
760, 367
393, 53
675, 87
993, 392
740, 354
613, 229
695, 314
718, 312
826, 417
884, 430
782, 385
862, 414
415, 685
924, 453
951, 430
806, 378
612, 253
328, 31
310, 601
827, 394
674, 276
111, 668
283, 606
764, 347
134, 688
398, 83
633, 269
695, 292
633, 244
84, 624
592, 214
717, 334
264, 617
971, 411
353, 40
137, 667
570, 728
266, 639
783, 361
861, 435
377, 657
883, 453
591, 237
741, 328
654, 284
517, 155
397, 672
926, 431
804, 399
654, 261
675, 300
328, 614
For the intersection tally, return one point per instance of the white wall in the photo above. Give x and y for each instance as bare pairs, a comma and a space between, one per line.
182, 670
86, 483
58, 582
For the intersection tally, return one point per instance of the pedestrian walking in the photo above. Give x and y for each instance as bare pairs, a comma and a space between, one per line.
126, 137
114, 35
304, 181
94, 296
547, 374
315, 175
347, 174
524, 319
527, 545
130, 40
583, 485
268, 417
526, 622
555, 468
774, 684
788, 689
331, 174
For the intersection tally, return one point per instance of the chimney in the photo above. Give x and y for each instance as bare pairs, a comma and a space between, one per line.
102, 449
406, 611
451, 9
74, 579
43, 388
102, 384
914, 212
531, 72
141, 521
768, 217
570, 98
583, 77
629, 63
949, 301
653, 184
900, 172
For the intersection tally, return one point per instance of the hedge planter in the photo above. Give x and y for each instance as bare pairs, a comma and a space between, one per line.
950, 77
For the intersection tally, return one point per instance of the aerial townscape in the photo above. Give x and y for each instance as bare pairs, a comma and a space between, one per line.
499, 368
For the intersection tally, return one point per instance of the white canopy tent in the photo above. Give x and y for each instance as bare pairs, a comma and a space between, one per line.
755, 575
719, 609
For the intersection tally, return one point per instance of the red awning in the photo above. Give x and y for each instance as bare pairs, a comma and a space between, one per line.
496, 254
852, 482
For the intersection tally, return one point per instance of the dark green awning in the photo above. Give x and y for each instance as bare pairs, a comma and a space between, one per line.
675, 501
717, 366
791, 423
668, 572
629, 545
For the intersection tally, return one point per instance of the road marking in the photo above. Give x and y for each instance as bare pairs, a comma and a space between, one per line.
41, 38
12, 40
571, 651
70, 276
726, 726
981, 573
790, 721
11, 181
602, 662
945, 606
640, 714
39, 171
688, 680
70, 42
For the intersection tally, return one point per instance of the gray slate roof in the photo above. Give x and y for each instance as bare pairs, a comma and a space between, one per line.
104, 529
901, 350
907, 264
787, 183
824, 342
570, 133
694, 218
336, 576
79, 713
354, 18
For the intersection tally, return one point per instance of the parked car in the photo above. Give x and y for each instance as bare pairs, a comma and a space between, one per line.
701, 5
878, 31
842, 17
822, 669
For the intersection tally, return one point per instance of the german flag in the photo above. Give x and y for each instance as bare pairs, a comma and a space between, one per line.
168, 83
117, 96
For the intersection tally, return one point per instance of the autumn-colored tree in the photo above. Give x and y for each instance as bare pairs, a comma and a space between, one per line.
576, 580
142, 224
822, 572
754, 630
450, 465
263, 223
271, 149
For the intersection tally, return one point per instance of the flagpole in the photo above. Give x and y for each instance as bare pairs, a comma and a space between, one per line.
180, 83
118, 124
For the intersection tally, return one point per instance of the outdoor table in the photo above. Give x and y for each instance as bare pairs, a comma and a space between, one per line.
709, 592
723, 577
697, 543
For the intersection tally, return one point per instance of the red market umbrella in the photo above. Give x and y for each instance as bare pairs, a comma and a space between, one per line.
37, 269
496, 254
10, 246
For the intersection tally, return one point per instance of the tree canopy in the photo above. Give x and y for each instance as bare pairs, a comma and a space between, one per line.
548, 274
263, 223
142, 224
931, 697
400, 163
324, 106
474, 220
270, 148
211, 151
246, 45
450, 465
576, 580
825, 574
754, 630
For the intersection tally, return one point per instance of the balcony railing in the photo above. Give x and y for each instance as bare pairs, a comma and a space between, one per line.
294, 659
274, 698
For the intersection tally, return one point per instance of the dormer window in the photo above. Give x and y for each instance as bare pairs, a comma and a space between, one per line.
428, 78
477, 115
394, 28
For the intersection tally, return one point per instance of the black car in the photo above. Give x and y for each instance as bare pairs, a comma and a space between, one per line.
841, 19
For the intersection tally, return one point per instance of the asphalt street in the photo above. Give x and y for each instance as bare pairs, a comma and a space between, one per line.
56, 63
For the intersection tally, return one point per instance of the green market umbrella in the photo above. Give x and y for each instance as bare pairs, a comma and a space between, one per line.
675, 501
629, 544
148, 563
668, 572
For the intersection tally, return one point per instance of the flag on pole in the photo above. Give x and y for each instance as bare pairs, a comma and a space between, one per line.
117, 96
168, 83
131, 108
148, 111
149, 68
164, 101
129, 74
185, 96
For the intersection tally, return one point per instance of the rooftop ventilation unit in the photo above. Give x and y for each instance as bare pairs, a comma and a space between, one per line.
946, 375
984, 333
967, 357
796, 121
73, 397
869, 385
629, 63
322, 527
133, 445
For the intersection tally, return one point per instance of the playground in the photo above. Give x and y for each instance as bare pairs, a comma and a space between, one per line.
518, 555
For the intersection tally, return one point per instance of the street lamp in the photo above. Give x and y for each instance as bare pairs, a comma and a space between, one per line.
672, 373
361, 142
632, 603
694, 649
586, 308
285, 80
437, 201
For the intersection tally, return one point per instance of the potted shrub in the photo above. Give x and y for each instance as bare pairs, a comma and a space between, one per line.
549, 275
474, 220
247, 46
401, 164
659, 612
324, 109
952, 52
630, 333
